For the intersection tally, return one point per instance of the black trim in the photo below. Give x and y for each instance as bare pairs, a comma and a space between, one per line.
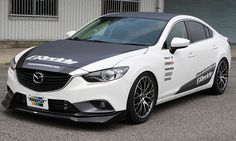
88, 118
8, 98
173, 49
187, 30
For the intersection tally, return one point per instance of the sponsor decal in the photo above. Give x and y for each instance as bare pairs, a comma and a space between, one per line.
169, 63
168, 73
206, 69
205, 74
167, 79
36, 101
202, 78
168, 57
52, 59
171, 68
43, 65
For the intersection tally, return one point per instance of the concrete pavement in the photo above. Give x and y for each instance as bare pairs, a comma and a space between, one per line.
7, 54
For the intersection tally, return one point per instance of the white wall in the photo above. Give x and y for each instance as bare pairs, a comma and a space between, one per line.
148, 5
72, 15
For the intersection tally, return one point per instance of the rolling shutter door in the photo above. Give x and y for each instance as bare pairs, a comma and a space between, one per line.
221, 15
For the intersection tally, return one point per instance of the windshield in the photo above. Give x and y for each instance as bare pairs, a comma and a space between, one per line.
134, 31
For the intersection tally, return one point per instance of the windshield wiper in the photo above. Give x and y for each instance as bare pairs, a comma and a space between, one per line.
100, 41
135, 44
97, 41
76, 39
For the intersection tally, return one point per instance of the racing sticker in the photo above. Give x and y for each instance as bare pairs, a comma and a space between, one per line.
169, 67
52, 59
202, 78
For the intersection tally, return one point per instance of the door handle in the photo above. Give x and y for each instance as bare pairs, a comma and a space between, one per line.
191, 55
215, 48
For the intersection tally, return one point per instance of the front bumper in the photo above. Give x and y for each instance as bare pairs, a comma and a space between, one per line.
18, 103
77, 92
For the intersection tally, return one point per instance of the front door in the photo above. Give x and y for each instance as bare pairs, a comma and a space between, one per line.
178, 68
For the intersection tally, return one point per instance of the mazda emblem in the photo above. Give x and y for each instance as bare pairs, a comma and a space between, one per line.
38, 78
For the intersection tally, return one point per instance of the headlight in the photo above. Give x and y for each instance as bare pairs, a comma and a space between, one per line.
106, 75
13, 64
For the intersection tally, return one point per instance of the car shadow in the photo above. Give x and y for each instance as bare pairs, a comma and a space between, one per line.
58, 123
181, 101
52, 122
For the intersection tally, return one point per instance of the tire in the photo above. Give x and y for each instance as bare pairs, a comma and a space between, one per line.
142, 98
221, 78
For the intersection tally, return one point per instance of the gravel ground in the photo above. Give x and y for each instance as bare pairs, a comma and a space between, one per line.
195, 117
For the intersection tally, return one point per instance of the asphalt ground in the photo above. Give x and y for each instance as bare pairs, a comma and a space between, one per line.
199, 116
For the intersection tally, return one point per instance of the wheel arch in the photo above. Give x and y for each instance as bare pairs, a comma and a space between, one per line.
215, 90
225, 59
154, 77
132, 116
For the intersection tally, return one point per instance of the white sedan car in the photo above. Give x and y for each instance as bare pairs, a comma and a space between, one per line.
119, 66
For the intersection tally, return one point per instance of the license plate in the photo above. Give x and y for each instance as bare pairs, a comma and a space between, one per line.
37, 102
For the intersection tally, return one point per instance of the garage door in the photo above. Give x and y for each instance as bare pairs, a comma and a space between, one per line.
220, 14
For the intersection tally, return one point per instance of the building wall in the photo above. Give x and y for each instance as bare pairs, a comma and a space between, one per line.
221, 14
72, 15
148, 5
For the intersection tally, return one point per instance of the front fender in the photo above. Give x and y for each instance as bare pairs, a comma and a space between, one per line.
18, 56
143, 63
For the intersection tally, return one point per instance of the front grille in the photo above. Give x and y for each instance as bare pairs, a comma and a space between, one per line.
58, 106
51, 80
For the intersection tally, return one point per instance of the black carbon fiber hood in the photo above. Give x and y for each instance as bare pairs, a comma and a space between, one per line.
68, 55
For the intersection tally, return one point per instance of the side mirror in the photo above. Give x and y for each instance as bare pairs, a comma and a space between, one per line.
178, 43
70, 33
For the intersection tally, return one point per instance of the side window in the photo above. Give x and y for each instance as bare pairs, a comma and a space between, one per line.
209, 32
197, 31
179, 30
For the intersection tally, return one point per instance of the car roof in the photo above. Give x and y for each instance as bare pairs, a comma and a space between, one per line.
149, 15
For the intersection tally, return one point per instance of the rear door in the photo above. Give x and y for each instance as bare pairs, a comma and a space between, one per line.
203, 53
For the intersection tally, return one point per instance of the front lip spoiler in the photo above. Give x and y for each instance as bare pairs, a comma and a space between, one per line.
77, 117
117, 116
